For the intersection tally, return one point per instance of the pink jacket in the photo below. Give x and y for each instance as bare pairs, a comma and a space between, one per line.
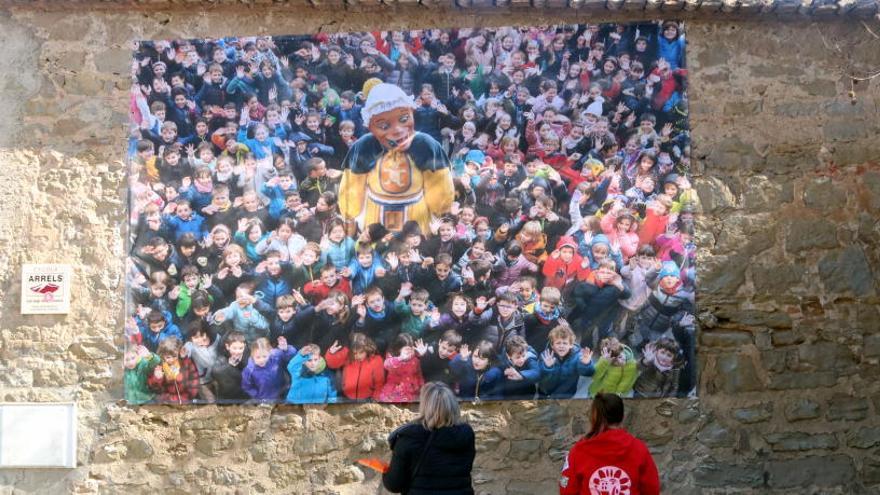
628, 241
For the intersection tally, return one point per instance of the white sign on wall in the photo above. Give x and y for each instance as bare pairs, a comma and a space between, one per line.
37, 435
45, 289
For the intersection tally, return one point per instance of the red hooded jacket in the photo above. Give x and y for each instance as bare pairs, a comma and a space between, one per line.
360, 379
557, 272
611, 463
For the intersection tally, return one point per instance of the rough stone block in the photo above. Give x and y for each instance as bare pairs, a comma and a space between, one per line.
736, 373
872, 346
798, 441
802, 234
863, 438
846, 270
718, 474
525, 450
743, 108
871, 471
725, 338
826, 356
845, 408
823, 194
754, 414
830, 471
714, 194
716, 435
802, 409
788, 381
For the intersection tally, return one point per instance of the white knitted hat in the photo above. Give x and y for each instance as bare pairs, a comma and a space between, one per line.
382, 98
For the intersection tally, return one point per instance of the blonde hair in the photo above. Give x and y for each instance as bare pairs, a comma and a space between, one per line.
438, 406
532, 229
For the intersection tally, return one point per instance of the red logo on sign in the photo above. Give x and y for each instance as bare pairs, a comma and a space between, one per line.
45, 288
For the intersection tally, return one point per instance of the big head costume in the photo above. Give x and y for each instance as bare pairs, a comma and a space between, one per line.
394, 174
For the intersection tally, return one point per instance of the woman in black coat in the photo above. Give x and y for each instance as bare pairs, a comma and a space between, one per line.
435, 453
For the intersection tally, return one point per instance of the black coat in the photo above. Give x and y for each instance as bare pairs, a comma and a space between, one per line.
446, 467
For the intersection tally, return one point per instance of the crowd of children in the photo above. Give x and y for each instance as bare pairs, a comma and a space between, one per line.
566, 261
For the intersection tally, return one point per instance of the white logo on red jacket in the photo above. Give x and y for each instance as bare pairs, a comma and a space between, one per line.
610, 480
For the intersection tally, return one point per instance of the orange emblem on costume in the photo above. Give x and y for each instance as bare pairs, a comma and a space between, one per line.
395, 173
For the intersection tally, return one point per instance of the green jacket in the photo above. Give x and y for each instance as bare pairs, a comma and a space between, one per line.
411, 324
615, 379
136, 390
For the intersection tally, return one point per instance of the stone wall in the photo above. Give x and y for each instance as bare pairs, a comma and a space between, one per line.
787, 170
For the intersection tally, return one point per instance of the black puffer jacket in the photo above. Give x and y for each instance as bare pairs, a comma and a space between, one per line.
446, 467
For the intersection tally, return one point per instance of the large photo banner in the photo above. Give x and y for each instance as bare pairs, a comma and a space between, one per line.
342, 217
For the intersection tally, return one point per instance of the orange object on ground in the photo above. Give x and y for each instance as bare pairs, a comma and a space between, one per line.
377, 465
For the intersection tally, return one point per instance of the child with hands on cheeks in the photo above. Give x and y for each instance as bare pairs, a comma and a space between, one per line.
616, 370
404, 378
175, 379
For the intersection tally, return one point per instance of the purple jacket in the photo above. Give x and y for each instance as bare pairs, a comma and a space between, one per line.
266, 383
504, 274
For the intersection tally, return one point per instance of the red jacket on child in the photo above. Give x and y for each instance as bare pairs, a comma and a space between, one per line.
651, 227
181, 390
360, 379
557, 272
612, 462
315, 291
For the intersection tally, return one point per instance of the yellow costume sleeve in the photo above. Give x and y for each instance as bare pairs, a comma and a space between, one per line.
352, 191
439, 191
152, 170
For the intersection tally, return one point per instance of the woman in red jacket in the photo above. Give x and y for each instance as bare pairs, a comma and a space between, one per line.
609, 461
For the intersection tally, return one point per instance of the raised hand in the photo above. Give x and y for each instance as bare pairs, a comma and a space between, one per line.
298, 297
649, 352
335, 347
421, 347
586, 356
206, 281
464, 352
393, 260
549, 358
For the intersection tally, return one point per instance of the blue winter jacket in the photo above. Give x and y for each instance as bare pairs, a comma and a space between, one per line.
560, 381
152, 339
472, 384
308, 388
531, 372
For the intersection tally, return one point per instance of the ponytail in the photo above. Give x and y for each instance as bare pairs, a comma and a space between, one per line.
607, 410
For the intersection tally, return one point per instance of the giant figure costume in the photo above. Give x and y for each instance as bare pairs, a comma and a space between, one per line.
394, 174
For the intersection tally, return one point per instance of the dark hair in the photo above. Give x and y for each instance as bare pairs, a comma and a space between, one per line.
607, 410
